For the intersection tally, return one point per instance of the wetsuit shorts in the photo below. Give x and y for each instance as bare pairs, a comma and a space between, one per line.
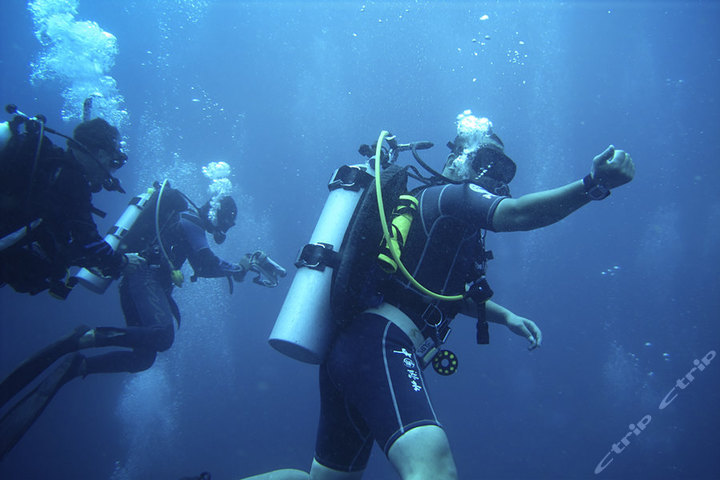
371, 389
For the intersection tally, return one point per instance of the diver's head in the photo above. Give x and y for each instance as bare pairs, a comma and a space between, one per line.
219, 216
478, 155
96, 144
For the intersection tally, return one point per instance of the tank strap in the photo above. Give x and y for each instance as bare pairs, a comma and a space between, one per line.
317, 256
426, 346
349, 178
401, 320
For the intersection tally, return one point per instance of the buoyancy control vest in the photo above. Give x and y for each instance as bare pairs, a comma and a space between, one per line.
136, 231
338, 273
36, 179
358, 277
447, 255
143, 238
27, 166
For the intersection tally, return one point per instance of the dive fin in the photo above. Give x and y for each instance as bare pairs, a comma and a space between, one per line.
34, 366
20, 418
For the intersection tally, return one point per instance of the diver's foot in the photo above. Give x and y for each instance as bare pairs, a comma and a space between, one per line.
86, 339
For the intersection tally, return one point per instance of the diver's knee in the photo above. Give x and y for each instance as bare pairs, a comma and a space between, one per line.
423, 453
144, 359
286, 474
318, 471
164, 337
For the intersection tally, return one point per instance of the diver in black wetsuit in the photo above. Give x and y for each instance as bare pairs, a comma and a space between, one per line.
145, 295
46, 223
372, 387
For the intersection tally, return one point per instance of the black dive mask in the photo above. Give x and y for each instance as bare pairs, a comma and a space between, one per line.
494, 163
225, 218
117, 159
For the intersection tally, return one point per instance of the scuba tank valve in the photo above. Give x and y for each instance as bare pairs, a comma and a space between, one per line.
400, 226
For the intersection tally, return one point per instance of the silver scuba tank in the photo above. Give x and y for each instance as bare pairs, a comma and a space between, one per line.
98, 283
304, 327
5, 135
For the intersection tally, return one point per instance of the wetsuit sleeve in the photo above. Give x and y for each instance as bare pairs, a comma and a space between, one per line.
469, 203
203, 261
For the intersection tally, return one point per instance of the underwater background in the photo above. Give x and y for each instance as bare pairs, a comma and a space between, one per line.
626, 290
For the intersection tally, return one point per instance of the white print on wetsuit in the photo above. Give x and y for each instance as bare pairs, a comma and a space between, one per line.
479, 189
411, 370
642, 424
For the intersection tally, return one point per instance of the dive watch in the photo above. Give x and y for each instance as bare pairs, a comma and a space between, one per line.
593, 189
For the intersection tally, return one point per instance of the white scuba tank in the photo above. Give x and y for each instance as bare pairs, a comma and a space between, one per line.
5, 135
114, 237
304, 327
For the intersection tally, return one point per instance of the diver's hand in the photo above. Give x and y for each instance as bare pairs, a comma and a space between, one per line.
241, 268
133, 262
525, 328
612, 168
128, 262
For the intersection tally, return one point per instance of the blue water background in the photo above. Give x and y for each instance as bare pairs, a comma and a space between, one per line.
626, 291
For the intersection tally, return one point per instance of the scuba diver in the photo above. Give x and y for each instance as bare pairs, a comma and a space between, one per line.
46, 223
167, 233
371, 377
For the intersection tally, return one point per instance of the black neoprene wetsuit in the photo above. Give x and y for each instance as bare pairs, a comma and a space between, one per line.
371, 383
145, 296
56, 192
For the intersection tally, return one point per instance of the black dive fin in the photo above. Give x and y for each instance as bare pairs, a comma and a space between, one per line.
20, 418
32, 367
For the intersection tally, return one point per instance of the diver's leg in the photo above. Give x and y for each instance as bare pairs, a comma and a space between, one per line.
134, 361
285, 474
155, 337
423, 453
148, 315
29, 370
395, 403
319, 471
20, 418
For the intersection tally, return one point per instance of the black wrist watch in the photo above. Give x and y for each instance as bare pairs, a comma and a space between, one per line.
593, 189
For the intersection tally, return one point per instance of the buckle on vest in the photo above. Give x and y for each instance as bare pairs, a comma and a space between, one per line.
435, 324
432, 316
